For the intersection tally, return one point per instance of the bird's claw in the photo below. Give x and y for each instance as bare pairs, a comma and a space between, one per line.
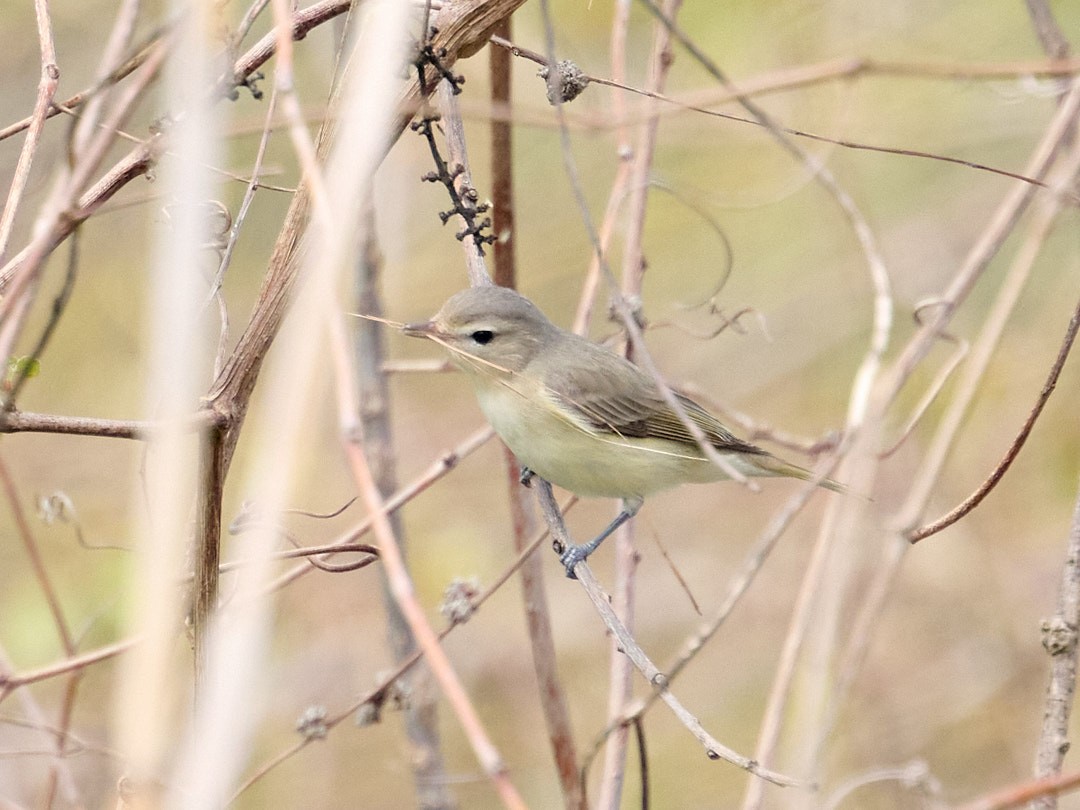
526, 476
573, 555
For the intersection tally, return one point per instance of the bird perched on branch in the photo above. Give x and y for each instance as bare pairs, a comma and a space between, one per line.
579, 415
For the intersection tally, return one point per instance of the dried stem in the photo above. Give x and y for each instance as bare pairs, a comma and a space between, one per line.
553, 699
1017, 795
926, 478
37, 562
995, 476
402, 589
377, 696
373, 416
456, 148
1060, 642
1001, 224
50, 78
119, 40
620, 689
713, 749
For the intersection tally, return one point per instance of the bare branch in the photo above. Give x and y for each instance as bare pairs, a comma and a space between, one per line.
713, 748
992, 480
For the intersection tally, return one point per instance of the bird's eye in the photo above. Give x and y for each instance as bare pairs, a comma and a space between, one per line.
483, 336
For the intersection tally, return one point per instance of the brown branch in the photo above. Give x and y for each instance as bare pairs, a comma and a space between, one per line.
459, 184
114, 76
435, 471
461, 26
123, 29
553, 701
230, 393
989, 243
52, 598
1017, 795
973, 500
502, 164
9, 683
57, 220
25, 422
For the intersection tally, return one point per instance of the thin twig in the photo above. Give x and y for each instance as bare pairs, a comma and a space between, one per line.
925, 479
860, 424
37, 562
619, 185
992, 480
11, 682
1017, 795
620, 669
713, 748
26, 422
701, 102
52, 598
376, 696
57, 220
59, 305
234, 233
620, 689
626, 316
462, 181
123, 29
1046, 212
1059, 638
990, 240
47, 84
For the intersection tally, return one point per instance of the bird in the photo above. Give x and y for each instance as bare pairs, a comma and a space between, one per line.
579, 415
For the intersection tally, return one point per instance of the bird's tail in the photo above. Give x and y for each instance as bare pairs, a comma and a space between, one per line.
770, 465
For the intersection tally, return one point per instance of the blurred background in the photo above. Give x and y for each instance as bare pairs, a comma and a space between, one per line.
956, 674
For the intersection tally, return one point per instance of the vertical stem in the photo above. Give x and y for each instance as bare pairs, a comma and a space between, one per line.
537, 616
1060, 641
1060, 632
420, 713
620, 670
502, 192
626, 555
208, 544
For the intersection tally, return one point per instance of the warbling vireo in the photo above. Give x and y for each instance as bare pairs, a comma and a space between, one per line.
579, 415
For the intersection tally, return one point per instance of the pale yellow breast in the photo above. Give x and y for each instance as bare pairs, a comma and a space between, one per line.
555, 446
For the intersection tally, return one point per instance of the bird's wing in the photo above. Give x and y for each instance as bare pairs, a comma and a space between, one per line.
611, 395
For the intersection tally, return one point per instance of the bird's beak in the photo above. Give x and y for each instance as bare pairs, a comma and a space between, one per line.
425, 329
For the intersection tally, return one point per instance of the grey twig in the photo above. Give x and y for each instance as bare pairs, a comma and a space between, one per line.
713, 748
1060, 642
421, 718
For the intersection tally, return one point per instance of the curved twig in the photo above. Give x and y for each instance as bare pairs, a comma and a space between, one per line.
973, 500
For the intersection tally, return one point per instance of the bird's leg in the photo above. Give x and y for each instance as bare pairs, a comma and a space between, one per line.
525, 476
579, 552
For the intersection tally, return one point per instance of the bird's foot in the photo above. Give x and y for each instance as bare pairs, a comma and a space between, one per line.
526, 476
574, 554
